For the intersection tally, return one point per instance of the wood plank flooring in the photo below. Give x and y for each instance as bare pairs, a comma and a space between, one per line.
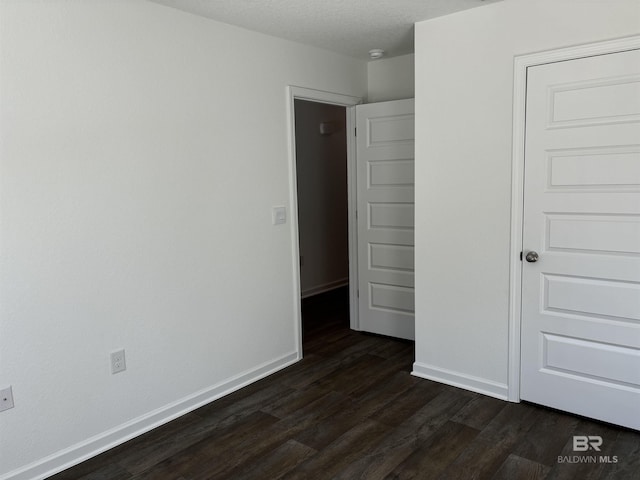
351, 410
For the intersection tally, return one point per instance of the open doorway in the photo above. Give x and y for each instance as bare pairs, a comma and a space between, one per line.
322, 199
322, 125
321, 177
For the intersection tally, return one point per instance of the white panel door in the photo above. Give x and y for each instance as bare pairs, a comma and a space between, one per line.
385, 179
580, 349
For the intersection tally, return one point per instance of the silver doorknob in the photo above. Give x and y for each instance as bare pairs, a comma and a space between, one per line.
531, 257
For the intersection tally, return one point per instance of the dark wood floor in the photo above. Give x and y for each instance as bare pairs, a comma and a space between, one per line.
351, 410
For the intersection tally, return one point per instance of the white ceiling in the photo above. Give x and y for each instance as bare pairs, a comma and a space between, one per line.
352, 27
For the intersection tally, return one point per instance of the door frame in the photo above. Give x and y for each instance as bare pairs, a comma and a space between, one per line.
349, 102
521, 64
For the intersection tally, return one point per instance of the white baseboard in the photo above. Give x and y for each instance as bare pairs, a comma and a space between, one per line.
98, 444
324, 287
461, 380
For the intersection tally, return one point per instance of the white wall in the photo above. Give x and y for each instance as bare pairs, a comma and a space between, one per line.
391, 79
142, 150
321, 168
464, 84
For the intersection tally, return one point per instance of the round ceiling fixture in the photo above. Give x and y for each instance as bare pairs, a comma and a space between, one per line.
376, 53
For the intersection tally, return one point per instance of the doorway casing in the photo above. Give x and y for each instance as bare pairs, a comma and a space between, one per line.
521, 64
349, 102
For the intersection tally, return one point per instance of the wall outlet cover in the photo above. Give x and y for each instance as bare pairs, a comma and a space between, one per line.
118, 362
6, 399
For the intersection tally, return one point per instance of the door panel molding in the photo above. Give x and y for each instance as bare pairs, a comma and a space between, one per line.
386, 210
521, 65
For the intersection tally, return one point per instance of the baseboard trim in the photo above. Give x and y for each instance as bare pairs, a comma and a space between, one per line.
98, 444
461, 380
309, 292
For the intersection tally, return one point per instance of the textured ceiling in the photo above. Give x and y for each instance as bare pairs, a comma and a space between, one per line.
352, 27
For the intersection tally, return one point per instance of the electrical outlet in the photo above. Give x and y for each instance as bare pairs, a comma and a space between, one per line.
118, 362
6, 399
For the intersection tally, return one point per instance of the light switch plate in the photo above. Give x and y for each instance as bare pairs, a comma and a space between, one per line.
279, 215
